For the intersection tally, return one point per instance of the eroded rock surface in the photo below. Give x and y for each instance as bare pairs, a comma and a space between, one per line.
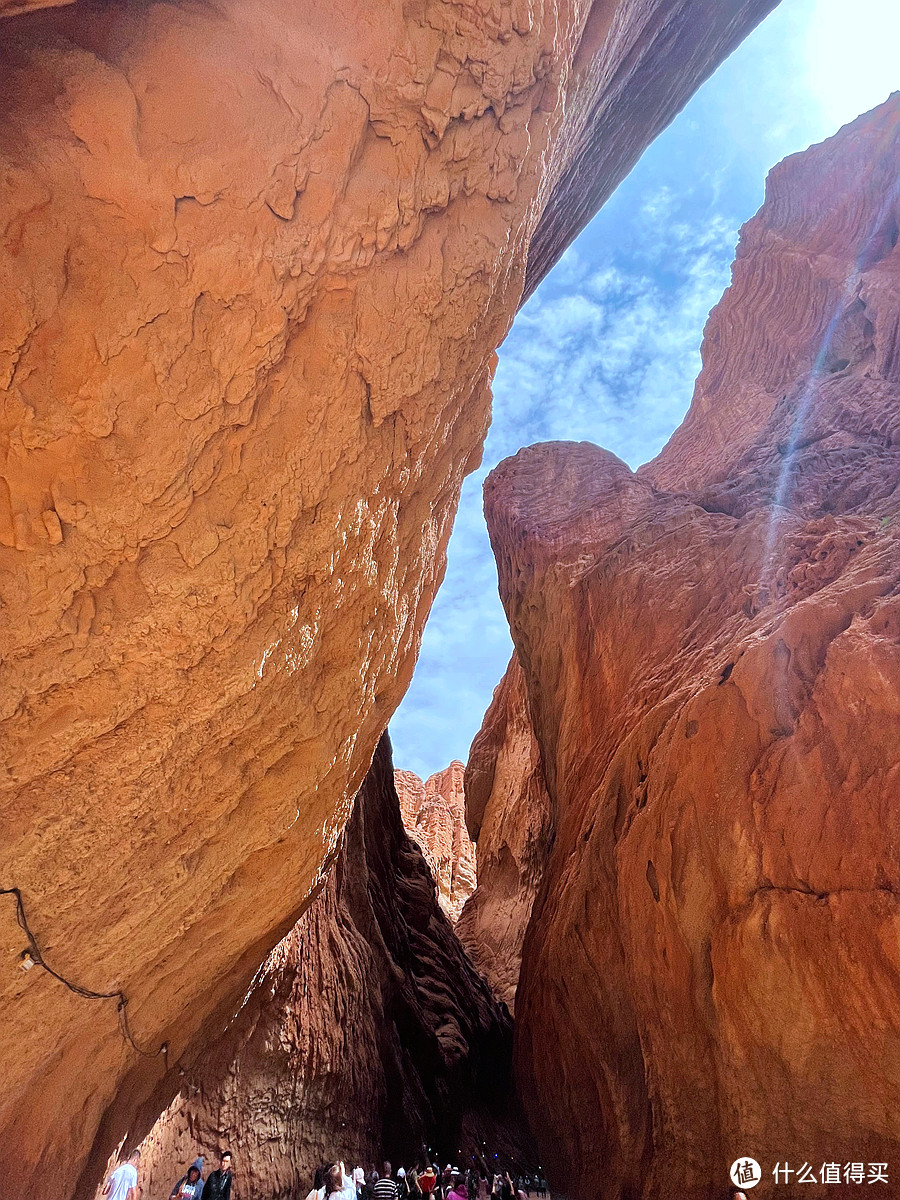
367, 1033
434, 814
508, 813
256, 259
712, 654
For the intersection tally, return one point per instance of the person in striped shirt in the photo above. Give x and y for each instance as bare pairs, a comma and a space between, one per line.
385, 1188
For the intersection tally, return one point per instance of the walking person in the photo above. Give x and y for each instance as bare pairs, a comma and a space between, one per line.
218, 1186
123, 1183
190, 1185
458, 1190
385, 1188
428, 1180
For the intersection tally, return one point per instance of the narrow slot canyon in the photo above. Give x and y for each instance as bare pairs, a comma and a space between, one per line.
257, 261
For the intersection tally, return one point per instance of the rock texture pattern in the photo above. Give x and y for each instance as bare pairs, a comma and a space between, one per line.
508, 813
712, 654
434, 814
256, 259
366, 1033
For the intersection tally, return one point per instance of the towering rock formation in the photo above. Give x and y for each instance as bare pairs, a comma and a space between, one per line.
508, 812
712, 654
256, 258
366, 1032
434, 813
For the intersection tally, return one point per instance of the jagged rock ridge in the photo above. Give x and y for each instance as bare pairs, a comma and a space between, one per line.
434, 814
711, 649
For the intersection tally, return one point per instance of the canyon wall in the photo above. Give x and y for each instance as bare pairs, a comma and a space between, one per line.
508, 813
256, 260
434, 814
366, 1033
711, 649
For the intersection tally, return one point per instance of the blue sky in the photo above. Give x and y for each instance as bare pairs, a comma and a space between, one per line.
608, 347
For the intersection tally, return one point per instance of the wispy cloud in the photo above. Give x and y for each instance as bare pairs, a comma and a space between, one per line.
607, 349
602, 343
620, 335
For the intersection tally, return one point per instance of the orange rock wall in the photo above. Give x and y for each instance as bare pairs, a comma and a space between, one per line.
712, 654
434, 813
508, 813
346, 1046
256, 259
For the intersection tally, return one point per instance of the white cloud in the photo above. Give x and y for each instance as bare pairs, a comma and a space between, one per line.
602, 352
608, 347
618, 339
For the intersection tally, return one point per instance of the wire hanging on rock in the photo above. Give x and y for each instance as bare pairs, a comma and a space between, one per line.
86, 993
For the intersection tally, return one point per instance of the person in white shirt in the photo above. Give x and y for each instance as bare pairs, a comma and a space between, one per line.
123, 1183
336, 1184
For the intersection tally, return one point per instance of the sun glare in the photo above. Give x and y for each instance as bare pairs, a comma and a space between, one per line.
852, 60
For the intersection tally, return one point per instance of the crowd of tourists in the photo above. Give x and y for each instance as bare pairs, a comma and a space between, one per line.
332, 1182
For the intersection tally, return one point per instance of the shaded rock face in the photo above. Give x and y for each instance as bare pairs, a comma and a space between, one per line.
257, 257
366, 1033
434, 814
508, 813
712, 654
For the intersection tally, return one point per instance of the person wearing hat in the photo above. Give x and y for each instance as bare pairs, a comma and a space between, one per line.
458, 1190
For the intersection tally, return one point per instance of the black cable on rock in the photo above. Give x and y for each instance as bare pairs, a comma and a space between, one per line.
121, 1007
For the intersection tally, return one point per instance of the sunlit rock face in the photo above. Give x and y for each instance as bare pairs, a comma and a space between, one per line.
712, 655
434, 814
257, 257
508, 812
367, 1033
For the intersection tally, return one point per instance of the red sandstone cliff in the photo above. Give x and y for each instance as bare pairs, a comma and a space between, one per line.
434, 814
508, 813
256, 259
712, 654
366, 1033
